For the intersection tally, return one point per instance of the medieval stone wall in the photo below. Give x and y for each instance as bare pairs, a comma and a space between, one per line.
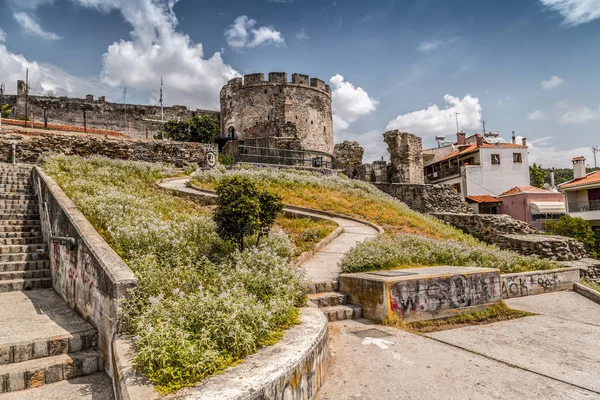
30, 146
252, 107
130, 119
349, 158
427, 198
406, 157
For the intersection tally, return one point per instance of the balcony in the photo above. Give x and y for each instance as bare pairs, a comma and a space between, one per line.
443, 174
584, 206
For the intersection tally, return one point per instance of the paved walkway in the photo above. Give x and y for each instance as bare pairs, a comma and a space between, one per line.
554, 355
323, 266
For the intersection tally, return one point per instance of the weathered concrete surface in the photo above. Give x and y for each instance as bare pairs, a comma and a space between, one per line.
587, 292
91, 387
407, 366
565, 305
538, 282
564, 348
422, 293
91, 278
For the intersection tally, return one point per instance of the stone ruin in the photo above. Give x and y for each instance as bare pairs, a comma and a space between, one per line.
349, 159
406, 157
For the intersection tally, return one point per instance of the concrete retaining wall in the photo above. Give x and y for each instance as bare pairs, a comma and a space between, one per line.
538, 282
587, 292
91, 278
422, 293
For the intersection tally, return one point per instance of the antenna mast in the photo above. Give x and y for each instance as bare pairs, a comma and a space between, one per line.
162, 113
595, 150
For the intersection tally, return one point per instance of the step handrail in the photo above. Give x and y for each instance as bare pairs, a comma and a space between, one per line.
63, 240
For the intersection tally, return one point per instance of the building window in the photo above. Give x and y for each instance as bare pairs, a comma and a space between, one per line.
517, 158
495, 159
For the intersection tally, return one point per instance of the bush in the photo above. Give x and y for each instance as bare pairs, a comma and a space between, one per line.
576, 228
405, 251
226, 160
201, 305
5, 111
243, 210
201, 129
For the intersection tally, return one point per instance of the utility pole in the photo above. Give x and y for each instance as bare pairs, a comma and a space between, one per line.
1, 101
595, 150
457, 114
162, 113
26, 94
124, 107
84, 120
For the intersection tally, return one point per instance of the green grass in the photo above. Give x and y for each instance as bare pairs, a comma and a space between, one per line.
305, 233
591, 284
494, 313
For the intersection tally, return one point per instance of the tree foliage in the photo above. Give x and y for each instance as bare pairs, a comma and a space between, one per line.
244, 210
5, 111
576, 228
537, 174
201, 129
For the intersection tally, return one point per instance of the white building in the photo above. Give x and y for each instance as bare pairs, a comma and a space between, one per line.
582, 194
478, 166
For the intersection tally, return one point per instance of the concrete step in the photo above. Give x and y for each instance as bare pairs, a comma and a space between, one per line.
328, 299
9, 187
31, 256
19, 215
25, 284
20, 240
19, 228
43, 371
96, 386
340, 313
18, 197
6, 207
20, 222
24, 265
27, 191
15, 275
14, 235
323, 286
29, 248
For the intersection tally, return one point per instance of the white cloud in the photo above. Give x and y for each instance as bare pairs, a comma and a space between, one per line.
349, 102
575, 113
543, 153
554, 82
45, 77
537, 115
2, 36
301, 35
435, 120
575, 12
31, 27
428, 46
243, 34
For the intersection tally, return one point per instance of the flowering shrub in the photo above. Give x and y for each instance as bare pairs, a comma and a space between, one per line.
405, 251
200, 305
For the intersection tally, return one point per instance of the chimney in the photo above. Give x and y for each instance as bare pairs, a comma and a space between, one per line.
524, 141
514, 138
552, 186
579, 170
461, 138
479, 141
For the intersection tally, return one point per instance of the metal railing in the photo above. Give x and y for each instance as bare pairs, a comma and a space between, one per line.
445, 173
584, 206
296, 158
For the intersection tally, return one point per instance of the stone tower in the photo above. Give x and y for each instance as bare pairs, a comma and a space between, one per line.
406, 157
252, 107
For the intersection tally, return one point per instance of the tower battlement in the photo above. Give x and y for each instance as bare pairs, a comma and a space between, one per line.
278, 78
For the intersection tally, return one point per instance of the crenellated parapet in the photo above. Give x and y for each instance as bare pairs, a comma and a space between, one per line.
278, 78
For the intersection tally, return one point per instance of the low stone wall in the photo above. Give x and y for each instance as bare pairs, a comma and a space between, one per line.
586, 292
294, 368
590, 268
31, 145
91, 277
485, 225
558, 248
538, 282
427, 198
422, 293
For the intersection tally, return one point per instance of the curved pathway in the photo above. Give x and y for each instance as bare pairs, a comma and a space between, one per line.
324, 264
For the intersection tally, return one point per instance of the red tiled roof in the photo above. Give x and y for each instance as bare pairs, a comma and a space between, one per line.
523, 189
473, 147
578, 159
484, 199
589, 179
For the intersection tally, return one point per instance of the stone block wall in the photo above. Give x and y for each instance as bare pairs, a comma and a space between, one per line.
30, 146
349, 158
485, 225
406, 157
427, 198
558, 248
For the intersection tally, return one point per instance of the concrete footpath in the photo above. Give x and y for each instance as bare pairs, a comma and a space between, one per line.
555, 355
323, 265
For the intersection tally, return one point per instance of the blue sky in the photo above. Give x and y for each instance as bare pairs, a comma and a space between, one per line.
529, 65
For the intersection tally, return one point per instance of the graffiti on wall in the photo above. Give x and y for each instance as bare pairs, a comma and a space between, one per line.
434, 295
525, 285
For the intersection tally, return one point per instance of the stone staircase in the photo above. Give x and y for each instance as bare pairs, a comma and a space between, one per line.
334, 304
42, 340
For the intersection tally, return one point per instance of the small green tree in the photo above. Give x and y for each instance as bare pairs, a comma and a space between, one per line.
202, 129
243, 210
5, 111
270, 206
537, 174
576, 228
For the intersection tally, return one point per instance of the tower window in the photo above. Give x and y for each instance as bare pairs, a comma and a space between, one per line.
265, 91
